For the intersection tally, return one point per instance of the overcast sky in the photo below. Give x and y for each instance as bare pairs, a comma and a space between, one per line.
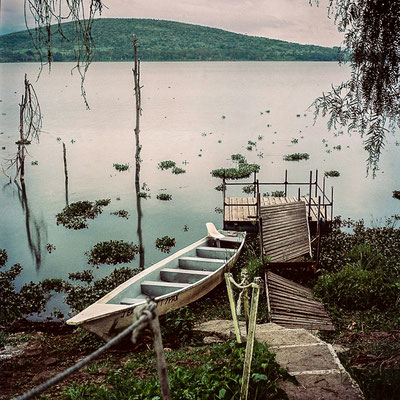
290, 20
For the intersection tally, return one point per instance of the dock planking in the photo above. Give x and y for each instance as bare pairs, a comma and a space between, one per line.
292, 306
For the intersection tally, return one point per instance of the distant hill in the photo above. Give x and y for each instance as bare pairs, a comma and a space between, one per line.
165, 41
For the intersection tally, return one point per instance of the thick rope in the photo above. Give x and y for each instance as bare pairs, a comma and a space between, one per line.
146, 315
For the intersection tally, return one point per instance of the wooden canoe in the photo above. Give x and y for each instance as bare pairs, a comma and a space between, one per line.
173, 282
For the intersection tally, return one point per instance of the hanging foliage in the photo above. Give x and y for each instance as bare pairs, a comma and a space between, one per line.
48, 16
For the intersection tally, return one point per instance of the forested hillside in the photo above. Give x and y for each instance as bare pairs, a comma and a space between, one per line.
164, 41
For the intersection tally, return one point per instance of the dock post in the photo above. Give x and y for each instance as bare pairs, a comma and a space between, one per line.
316, 183
286, 182
309, 195
298, 194
233, 309
223, 199
331, 203
318, 231
250, 339
161, 364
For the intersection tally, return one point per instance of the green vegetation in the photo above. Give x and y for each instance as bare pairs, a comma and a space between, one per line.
165, 244
396, 194
50, 248
360, 287
244, 170
248, 189
121, 213
239, 158
219, 188
178, 171
166, 165
3, 257
294, 141
112, 252
75, 215
278, 193
121, 167
163, 41
194, 373
332, 174
164, 196
296, 157
218, 210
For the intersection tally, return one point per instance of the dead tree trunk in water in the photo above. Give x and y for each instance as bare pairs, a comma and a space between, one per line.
138, 101
65, 173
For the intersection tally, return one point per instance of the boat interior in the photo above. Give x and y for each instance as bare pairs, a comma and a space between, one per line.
180, 270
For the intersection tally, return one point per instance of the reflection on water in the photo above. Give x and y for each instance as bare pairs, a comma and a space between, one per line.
36, 229
65, 174
139, 221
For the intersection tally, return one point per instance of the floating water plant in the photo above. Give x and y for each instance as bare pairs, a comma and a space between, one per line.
239, 158
144, 195
164, 197
248, 189
298, 115
338, 147
218, 210
178, 171
295, 141
3, 257
121, 213
34, 162
121, 167
244, 170
267, 111
260, 137
251, 143
50, 247
249, 148
278, 193
76, 214
219, 141
223, 117
260, 155
296, 157
185, 228
332, 174
395, 195
165, 244
166, 164
112, 252
219, 188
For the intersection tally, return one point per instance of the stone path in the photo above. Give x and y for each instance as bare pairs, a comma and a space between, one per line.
313, 362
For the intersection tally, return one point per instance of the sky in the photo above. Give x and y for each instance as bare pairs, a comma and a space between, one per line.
289, 20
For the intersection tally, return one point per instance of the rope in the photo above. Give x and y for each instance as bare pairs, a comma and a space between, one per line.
146, 315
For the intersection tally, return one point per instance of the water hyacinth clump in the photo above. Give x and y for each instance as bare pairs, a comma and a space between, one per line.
75, 215
396, 194
178, 171
121, 214
164, 197
243, 170
112, 252
296, 157
278, 193
166, 164
121, 167
248, 189
332, 174
165, 244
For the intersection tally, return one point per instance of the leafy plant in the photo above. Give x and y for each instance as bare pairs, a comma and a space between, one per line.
248, 189
332, 174
295, 141
3, 257
164, 197
165, 244
166, 165
239, 158
244, 170
112, 252
278, 193
396, 194
218, 210
219, 188
50, 247
179, 324
121, 167
178, 171
121, 213
296, 157
75, 215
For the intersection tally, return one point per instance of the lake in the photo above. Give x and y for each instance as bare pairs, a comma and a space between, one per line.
196, 114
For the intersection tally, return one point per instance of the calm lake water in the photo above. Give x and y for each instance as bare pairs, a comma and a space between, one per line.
196, 114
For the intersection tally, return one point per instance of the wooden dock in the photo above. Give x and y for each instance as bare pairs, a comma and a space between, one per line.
240, 213
285, 235
291, 305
